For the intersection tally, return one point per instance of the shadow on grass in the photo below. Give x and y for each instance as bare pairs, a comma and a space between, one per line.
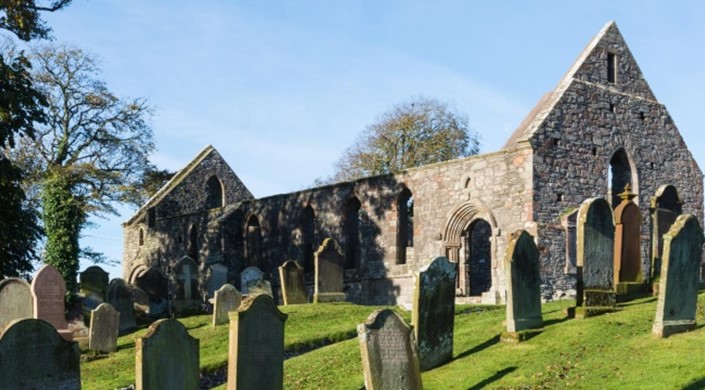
555, 321
695, 385
639, 301
497, 376
126, 346
494, 340
196, 326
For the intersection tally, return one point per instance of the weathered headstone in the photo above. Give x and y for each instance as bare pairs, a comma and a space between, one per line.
678, 289
167, 358
15, 300
34, 356
256, 351
330, 266
292, 281
226, 299
103, 333
433, 312
259, 287
627, 246
665, 207
249, 276
94, 284
595, 250
218, 278
48, 294
523, 278
120, 297
389, 356
188, 298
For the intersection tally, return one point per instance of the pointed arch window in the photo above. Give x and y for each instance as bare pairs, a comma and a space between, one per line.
253, 242
405, 224
214, 193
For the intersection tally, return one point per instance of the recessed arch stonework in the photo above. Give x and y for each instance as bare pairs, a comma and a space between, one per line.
621, 172
470, 222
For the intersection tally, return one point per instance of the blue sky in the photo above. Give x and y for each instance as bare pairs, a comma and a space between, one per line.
280, 88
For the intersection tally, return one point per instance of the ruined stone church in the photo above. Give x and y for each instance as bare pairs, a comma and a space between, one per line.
600, 129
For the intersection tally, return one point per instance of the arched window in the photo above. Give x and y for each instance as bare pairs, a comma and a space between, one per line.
351, 229
253, 241
621, 173
308, 237
192, 245
214, 193
405, 224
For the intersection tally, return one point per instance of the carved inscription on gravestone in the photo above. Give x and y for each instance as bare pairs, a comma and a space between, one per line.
104, 327
167, 357
48, 293
595, 253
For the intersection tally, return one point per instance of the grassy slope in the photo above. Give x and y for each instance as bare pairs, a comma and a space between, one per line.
611, 351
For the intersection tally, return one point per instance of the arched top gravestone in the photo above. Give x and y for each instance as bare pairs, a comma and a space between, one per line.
627, 239
226, 299
329, 270
595, 247
120, 297
48, 293
523, 278
250, 276
15, 300
104, 328
292, 281
167, 357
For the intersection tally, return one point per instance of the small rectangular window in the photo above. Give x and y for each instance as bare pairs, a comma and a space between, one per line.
611, 68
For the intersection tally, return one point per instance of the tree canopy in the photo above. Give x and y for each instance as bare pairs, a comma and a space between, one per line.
413, 133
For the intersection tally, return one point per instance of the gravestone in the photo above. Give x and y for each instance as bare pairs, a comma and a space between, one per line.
34, 356
388, 351
292, 281
218, 278
103, 332
120, 297
330, 266
48, 294
678, 287
433, 312
595, 255
248, 276
94, 284
226, 299
259, 287
167, 357
665, 207
523, 278
627, 245
256, 350
15, 300
187, 288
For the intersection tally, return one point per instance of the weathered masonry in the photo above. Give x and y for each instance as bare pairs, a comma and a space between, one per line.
600, 129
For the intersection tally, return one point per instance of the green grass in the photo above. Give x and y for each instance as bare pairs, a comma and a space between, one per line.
612, 351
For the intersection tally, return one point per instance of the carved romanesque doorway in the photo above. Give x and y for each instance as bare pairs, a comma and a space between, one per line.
665, 207
477, 249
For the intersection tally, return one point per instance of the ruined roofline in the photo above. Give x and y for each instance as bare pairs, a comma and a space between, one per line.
172, 183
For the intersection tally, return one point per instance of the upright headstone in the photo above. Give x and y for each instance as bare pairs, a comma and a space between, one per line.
218, 278
433, 312
103, 333
15, 300
34, 356
249, 276
523, 278
627, 245
678, 289
388, 350
226, 299
292, 281
665, 207
595, 250
48, 294
167, 358
330, 267
94, 284
120, 298
259, 287
256, 351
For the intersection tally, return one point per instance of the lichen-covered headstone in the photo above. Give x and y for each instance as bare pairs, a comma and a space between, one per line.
103, 333
433, 312
256, 350
120, 297
259, 287
34, 356
595, 250
329, 269
94, 284
523, 278
248, 276
678, 287
292, 281
226, 299
167, 358
388, 350
48, 294
15, 300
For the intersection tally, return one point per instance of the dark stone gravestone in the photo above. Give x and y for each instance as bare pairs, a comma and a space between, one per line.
103, 332
218, 278
665, 207
226, 299
388, 350
627, 246
433, 312
188, 299
249, 276
34, 356
330, 266
15, 300
256, 351
523, 279
120, 297
94, 284
167, 358
48, 294
292, 281
678, 290
595, 255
